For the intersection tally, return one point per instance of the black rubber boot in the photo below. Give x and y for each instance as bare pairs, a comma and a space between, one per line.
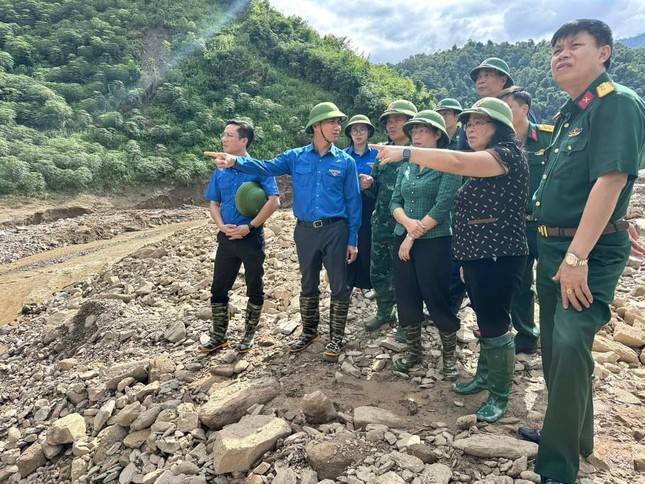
310, 314
412, 356
449, 344
218, 339
253, 312
338, 310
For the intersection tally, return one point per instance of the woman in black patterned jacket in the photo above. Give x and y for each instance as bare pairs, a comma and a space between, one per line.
489, 238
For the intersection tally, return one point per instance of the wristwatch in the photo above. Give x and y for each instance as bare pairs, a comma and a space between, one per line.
574, 261
252, 228
406, 154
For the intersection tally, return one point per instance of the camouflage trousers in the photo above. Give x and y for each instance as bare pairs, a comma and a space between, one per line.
382, 271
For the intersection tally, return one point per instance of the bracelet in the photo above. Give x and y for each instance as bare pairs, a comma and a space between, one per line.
411, 238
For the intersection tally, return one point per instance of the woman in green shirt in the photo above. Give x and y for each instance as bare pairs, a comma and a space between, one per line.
421, 205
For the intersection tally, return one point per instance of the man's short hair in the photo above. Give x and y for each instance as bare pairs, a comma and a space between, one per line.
598, 29
244, 129
521, 96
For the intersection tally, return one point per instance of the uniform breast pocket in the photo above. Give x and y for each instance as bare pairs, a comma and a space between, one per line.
304, 176
334, 180
576, 153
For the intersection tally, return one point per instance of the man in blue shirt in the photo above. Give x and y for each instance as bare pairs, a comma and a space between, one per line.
240, 240
327, 204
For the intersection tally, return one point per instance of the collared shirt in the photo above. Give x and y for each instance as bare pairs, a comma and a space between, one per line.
425, 192
538, 139
365, 161
384, 182
223, 188
454, 141
490, 220
600, 132
323, 187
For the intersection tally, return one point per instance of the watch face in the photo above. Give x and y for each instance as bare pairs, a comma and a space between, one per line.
570, 259
406, 154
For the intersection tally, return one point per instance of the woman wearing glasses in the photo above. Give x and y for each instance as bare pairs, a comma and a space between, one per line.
421, 205
489, 238
359, 130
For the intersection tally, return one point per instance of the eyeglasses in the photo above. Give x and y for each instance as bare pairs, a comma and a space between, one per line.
358, 130
227, 135
420, 130
476, 124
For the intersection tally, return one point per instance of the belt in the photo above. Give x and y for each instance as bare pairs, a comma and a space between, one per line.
320, 223
611, 228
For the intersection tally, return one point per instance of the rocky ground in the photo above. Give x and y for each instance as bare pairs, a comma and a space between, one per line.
101, 382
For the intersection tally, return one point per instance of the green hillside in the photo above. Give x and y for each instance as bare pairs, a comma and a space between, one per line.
446, 73
98, 94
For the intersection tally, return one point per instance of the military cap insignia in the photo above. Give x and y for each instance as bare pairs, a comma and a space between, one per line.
575, 132
586, 100
391, 106
605, 88
477, 104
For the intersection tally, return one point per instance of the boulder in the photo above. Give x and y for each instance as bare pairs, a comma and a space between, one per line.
239, 445
67, 430
230, 403
436, 474
30, 460
115, 373
496, 446
318, 408
376, 415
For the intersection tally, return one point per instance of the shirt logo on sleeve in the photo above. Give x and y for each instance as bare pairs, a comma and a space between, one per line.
334, 172
575, 132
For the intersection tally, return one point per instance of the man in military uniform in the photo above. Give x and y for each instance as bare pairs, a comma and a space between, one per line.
490, 77
381, 269
535, 138
583, 242
450, 109
240, 239
327, 204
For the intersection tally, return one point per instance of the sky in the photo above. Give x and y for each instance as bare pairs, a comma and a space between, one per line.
392, 30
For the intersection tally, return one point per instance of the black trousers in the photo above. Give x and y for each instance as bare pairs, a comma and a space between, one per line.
425, 278
231, 254
492, 285
358, 272
326, 246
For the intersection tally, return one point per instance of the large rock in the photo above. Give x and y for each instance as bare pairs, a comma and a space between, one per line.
115, 373
146, 418
67, 430
388, 478
330, 459
239, 445
30, 460
102, 416
176, 332
318, 408
128, 414
107, 438
406, 461
602, 345
375, 415
160, 366
629, 335
227, 405
436, 474
496, 446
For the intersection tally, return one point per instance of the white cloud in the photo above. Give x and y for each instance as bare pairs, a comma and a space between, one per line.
389, 31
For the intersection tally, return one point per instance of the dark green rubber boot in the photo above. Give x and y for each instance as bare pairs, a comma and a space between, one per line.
310, 314
448, 347
384, 315
253, 312
338, 310
412, 356
218, 339
478, 383
500, 352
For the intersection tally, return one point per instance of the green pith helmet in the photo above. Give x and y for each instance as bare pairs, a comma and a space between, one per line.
449, 103
399, 107
250, 198
496, 64
321, 112
428, 117
359, 119
493, 108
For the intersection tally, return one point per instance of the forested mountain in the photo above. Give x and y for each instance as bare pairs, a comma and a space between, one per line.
104, 93
447, 73
637, 41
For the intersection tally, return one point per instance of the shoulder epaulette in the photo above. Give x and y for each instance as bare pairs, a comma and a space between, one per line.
605, 88
548, 128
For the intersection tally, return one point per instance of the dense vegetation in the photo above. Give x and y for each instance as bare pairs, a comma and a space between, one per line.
98, 94
446, 73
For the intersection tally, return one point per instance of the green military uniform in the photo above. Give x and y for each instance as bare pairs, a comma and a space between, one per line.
602, 131
454, 141
538, 139
381, 271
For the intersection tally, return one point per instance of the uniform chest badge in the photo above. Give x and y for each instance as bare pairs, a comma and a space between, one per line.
575, 132
539, 152
371, 165
334, 172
